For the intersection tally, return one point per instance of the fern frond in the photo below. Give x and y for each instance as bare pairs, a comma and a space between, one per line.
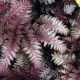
49, 37
32, 48
54, 24
69, 8
19, 60
73, 75
4, 64
75, 33
75, 30
46, 73
8, 54
9, 50
22, 61
34, 53
58, 59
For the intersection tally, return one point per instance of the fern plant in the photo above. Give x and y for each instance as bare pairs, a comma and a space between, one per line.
29, 26
16, 30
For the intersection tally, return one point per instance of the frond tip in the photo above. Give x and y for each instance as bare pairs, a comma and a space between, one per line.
45, 73
54, 24
32, 48
69, 8
75, 33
